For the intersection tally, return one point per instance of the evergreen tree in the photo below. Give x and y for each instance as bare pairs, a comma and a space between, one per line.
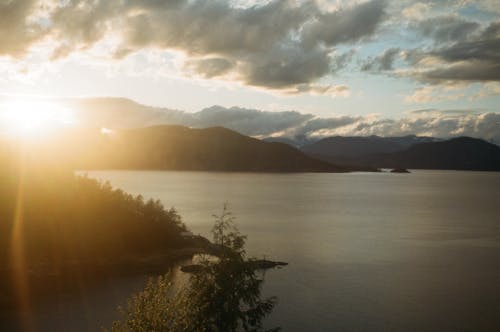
223, 296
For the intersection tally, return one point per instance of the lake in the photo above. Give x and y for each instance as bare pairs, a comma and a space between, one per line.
367, 251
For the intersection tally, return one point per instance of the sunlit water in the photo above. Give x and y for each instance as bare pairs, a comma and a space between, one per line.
367, 251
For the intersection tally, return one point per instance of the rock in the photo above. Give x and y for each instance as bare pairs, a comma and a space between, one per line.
265, 264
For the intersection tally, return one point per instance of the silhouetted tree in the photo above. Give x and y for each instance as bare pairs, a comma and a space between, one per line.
223, 296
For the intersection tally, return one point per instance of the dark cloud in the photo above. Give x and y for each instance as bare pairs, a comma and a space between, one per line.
209, 68
474, 60
347, 25
492, 31
285, 45
480, 50
446, 28
279, 44
456, 57
208, 27
383, 62
285, 66
470, 71
17, 33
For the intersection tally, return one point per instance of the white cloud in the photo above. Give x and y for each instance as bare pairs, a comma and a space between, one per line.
432, 94
111, 113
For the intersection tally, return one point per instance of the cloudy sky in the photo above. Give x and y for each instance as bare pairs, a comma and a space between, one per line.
330, 60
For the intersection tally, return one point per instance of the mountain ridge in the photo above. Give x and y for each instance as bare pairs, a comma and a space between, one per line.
174, 147
460, 153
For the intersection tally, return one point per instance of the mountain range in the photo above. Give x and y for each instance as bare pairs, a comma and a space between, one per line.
170, 147
462, 153
175, 147
339, 146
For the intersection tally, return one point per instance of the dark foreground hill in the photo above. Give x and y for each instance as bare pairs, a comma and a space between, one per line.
182, 148
463, 153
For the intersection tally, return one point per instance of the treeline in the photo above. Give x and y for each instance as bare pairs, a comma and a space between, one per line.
54, 217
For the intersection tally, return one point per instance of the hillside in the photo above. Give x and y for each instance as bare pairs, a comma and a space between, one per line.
349, 147
181, 148
463, 153
297, 141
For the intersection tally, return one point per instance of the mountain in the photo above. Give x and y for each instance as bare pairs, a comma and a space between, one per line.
296, 141
182, 148
462, 153
338, 146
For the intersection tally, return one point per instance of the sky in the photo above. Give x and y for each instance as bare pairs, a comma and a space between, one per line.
398, 61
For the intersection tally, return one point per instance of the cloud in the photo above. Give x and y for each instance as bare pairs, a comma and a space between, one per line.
208, 68
446, 28
417, 10
348, 24
122, 113
285, 66
462, 53
248, 121
277, 44
488, 90
428, 94
289, 46
434, 123
472, 71
474, 60
331, 90
384, 62
18, 29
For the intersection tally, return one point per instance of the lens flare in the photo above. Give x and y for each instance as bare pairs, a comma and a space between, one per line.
33, 118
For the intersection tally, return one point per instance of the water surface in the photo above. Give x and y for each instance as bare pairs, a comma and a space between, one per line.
367, 251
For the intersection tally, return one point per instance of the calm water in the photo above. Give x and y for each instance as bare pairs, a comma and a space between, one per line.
373, 252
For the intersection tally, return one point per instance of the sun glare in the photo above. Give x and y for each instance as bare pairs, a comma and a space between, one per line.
33, 118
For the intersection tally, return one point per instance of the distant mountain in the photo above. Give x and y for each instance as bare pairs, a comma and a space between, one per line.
297, 141
462, 153
181, 148
338, 146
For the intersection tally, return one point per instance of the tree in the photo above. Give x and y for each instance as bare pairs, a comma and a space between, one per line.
223, 296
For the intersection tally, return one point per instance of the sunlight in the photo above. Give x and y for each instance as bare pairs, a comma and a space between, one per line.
18, 259
33, 118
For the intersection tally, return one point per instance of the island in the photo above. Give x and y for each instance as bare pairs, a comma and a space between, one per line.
400, 170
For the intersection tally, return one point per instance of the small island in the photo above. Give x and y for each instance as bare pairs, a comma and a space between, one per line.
400, 170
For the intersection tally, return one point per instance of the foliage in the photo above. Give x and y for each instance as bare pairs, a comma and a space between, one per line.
68, 218
223, 297
153, 309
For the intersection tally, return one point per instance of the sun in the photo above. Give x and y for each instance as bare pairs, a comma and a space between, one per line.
28, 118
